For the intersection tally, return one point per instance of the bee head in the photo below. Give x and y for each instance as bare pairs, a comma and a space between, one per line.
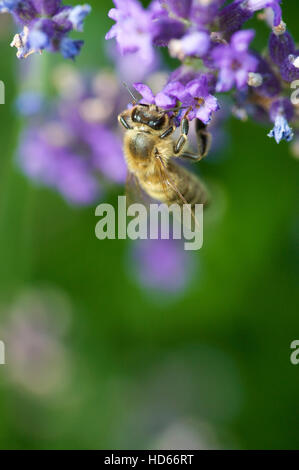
150, 115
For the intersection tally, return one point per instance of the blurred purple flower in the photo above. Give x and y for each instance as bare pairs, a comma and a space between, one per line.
57, 168
133, 28
74, 146
137, 29
193, 44
78, 15
234, 62
162, 265
7, 6
131, 67
47, 24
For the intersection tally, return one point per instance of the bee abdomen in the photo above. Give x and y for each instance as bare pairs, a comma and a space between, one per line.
189, 186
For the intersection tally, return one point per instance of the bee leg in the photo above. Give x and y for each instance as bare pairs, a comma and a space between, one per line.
204, 140
168, 132
123, 121
191, 156
178, 147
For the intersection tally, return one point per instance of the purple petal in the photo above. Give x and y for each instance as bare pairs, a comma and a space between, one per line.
240, 41
46, 7
277, 13
107, 152
162, 265
241, 78
145, 92
197, 88
165, 101
38, 40
204, 113
196, 43
112, 33
255, 5
226, 80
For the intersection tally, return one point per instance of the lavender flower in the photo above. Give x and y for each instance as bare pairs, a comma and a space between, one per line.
195, 96
213, 60
281, 112
138, 30
133, 29
131, 67
56, 166
234, 62
47, 24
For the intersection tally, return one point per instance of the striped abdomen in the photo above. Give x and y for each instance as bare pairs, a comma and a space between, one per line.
188, 185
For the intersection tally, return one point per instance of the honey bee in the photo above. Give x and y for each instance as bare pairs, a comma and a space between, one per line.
150, 152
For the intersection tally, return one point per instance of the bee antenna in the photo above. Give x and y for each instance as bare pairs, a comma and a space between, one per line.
177, 108
130, 92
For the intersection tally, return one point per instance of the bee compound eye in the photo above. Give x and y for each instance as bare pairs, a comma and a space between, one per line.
137, 115
157, 124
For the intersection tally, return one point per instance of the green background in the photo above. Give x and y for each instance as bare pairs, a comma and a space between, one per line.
218, 355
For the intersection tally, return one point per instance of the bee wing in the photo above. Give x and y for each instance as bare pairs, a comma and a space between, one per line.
167, 182
163, 174
134, 191
166, 179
